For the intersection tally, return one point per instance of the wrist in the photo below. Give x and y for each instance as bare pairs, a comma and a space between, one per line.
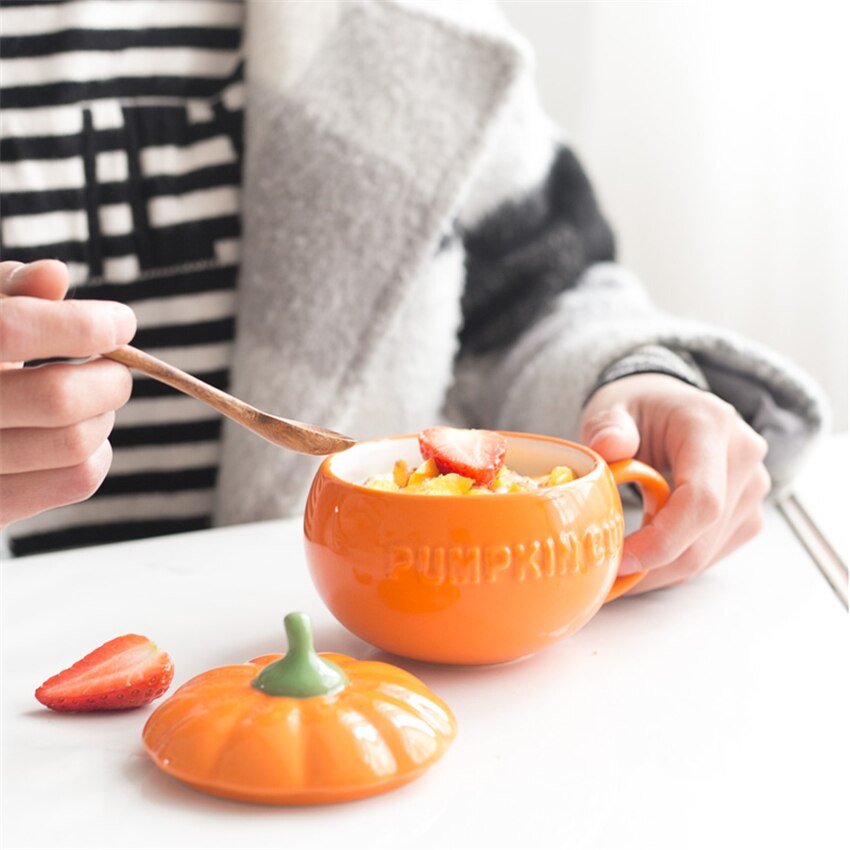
652, 359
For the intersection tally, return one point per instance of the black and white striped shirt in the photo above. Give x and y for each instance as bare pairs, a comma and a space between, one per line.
120, 154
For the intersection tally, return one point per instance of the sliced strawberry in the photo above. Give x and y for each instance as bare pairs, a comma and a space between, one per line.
126, 672
475, 454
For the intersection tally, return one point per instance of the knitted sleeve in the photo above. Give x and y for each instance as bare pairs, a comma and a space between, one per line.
528, 251
549, 316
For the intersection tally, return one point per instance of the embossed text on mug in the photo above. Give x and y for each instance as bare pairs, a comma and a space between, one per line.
554, 556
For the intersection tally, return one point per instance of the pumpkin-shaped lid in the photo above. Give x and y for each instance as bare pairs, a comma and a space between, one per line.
299, 728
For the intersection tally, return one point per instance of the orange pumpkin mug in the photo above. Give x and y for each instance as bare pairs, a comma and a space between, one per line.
472, 579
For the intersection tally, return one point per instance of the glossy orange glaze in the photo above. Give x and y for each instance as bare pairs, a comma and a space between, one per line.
475, 579
222, 736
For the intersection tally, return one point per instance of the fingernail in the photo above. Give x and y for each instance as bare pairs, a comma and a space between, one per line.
24, 270
15, 272
630, 564
125, 323
601, 433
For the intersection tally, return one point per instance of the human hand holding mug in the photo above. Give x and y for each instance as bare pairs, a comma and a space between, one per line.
715, 462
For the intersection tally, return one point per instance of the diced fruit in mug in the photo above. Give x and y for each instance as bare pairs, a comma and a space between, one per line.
383, 484
450, 484
508, 481
125, 672
400, 473
498, 483
422, 473
503, 480
560, 475
469, 452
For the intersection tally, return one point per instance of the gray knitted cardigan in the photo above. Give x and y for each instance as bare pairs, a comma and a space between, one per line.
419, 246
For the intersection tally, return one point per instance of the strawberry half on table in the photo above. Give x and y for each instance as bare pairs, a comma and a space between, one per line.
125, 672
470, 452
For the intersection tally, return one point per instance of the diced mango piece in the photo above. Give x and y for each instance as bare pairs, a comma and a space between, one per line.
502, 480
560, 475
383, 484
423, 472
508, 481
400, 473
450, 484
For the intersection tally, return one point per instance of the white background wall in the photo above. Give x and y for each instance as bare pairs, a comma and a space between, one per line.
717, 138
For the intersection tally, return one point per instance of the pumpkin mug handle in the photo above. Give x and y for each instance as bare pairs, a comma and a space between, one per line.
655, 491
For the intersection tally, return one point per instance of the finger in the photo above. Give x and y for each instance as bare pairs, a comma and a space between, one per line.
62, 394
695, 561
34, 328
748, 483
753, 446
742, 522
746, 517
612, 433
7, 269
41, 279
696, 504
656, 580
33, 449
751, 527
691, 562
29, 493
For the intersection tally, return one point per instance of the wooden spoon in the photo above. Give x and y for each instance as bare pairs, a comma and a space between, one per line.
298, 436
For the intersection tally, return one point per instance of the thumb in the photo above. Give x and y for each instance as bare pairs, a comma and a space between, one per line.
612, 433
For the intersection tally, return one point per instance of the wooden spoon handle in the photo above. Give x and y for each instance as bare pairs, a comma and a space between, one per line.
298, 436
166, 373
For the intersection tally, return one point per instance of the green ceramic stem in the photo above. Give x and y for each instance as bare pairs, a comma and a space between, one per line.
301, 672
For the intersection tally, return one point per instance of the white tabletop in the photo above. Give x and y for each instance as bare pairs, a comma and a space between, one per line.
824, 499
709, 715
